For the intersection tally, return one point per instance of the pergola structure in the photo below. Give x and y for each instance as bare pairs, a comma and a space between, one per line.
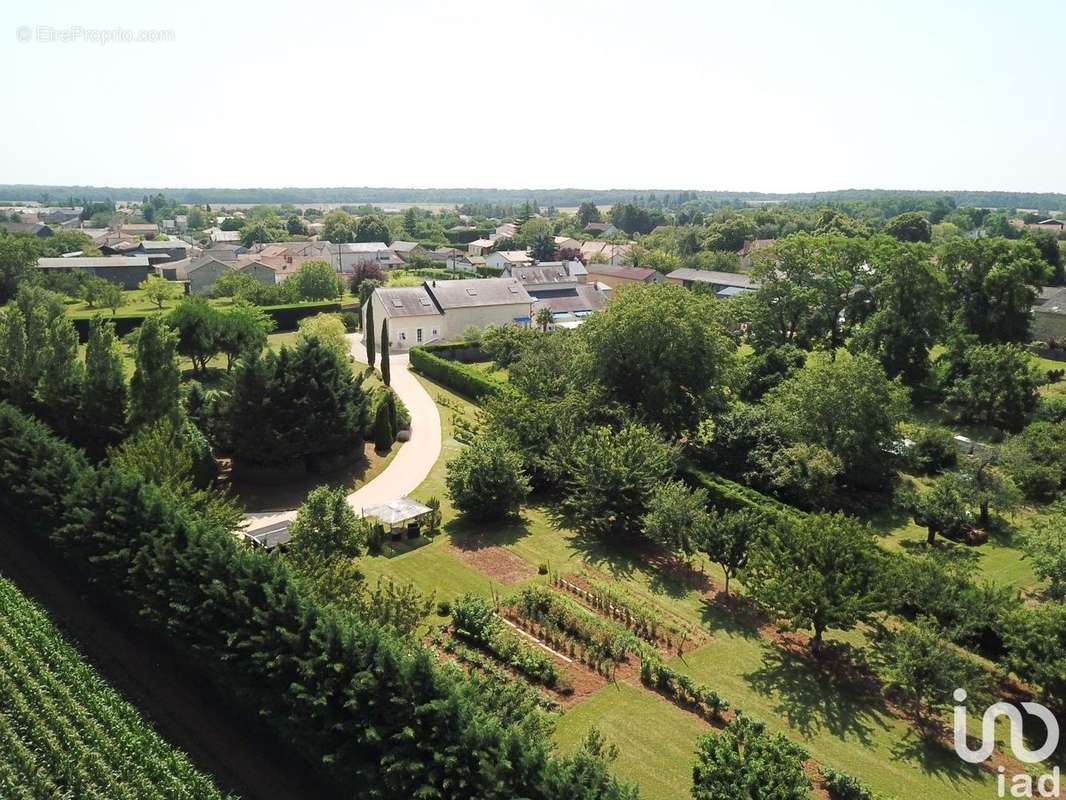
402, 518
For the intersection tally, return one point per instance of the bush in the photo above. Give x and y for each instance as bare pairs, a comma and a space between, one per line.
351, 321
486, 480
1036, 459
1051, 409
933, 450
444, 608
842, 786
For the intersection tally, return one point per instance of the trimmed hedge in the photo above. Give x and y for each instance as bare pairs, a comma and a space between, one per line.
464, 380
286, 317
374, 714
725, 493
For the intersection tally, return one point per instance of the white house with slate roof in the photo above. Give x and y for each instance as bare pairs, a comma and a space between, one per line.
443, 310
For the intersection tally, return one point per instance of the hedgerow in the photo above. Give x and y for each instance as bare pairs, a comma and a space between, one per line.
460, 377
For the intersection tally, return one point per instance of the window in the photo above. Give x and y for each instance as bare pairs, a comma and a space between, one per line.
418, 335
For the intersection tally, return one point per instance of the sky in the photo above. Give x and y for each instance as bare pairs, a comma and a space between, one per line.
672, 94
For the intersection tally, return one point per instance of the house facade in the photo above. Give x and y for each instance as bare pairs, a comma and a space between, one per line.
508, 258
443, 310
346, 255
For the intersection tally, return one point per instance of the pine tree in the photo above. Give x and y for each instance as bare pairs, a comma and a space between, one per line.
382, 427
370, 331
16, 382
386, 374
59, 388
104, 396
155, 387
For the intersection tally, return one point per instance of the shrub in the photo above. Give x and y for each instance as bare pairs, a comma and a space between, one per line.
486, 480
1051, 409
933, 450
842, 786
474, 618
444, 608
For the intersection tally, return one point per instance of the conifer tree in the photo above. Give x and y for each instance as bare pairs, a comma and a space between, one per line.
155, 387
104, 396
370, 331
386, 374
59, 388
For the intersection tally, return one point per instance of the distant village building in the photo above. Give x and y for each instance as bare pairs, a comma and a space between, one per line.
1049, 314
508, 258
140, 229
615, 276
480, 247
32, 228
126, 271
723, 284
347, 254
406, 251
198, 274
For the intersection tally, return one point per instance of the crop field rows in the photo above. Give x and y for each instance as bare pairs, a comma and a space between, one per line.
65, 733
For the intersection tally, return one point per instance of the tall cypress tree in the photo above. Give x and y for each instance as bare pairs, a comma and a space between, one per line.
370, 331
104, 397
386, 375
155, 387
59, 389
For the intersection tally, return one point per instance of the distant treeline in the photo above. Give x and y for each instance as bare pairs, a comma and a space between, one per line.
542, 197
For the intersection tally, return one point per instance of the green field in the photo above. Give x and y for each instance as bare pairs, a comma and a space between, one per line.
656, 740
64, 732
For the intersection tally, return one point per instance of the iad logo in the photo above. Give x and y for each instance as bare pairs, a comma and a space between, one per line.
1022, 784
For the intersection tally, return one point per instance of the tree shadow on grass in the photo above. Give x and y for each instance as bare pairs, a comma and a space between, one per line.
926, 751
733, 615
466, 532
815, 700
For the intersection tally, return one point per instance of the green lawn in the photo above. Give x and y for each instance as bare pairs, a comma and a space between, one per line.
1001, 560
842, 727
839, 725
656, 740
433, 569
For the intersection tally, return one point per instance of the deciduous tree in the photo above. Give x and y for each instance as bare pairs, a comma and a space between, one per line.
818, 572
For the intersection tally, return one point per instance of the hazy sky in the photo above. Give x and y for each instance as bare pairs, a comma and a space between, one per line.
699, 94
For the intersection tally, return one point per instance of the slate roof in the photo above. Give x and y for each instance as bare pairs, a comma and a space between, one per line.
711, 276
540, 274
1055, 304
583, 297
93, 262
478, 292
627, 273
407, 301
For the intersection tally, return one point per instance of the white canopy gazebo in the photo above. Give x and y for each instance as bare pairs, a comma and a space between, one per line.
401, 516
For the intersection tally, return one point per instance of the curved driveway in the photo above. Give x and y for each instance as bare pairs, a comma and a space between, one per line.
411, 464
